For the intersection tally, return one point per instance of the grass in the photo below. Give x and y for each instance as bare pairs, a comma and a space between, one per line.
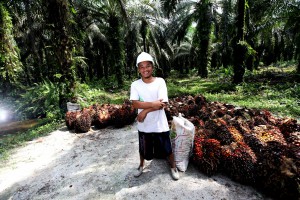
275, 88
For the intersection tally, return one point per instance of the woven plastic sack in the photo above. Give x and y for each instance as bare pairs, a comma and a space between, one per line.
182, 138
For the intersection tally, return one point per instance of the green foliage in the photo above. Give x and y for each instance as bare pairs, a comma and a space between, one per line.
248, 49
10, 64
41, 100
101, 92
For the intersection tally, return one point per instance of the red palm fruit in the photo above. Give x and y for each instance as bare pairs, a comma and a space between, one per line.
267, 115
206, 155
239, 162
288, 125
241, 125
219, 130
102, 118
70, 118
277, 174
200, 100
83, 121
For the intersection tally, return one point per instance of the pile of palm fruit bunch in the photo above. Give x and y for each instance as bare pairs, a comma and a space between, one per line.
100, 116
251, 146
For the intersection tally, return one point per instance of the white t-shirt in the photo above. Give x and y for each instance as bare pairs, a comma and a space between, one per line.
156, 121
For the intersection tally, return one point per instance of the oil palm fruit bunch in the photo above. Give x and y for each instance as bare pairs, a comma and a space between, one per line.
242, 112
93, 111
238, 161
288, 126
261, 135
102, 116
131, 110
200, 100
205, 113
294, 144
70, 118
220, 130
269, 117
83, 121
199, 123
266, 133
171, 110
241, 125
123, 115
181, 105
206, 155
259, 120
237, 136
278, 174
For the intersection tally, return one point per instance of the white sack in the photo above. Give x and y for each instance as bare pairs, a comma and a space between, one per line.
182, 144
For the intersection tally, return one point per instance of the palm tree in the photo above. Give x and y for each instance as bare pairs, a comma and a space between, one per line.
112, 15
293, 25
186, 13
153, 38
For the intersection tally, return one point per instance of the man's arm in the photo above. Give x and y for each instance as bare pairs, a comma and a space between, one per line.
156, 105
147, 107
143, 114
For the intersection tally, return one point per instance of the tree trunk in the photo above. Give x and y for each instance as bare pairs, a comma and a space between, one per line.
117, 58
143, 32
239, 51
204, 30
226, 52
59, 15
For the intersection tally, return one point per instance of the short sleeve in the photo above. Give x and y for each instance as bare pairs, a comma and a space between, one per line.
163, 91
133, 92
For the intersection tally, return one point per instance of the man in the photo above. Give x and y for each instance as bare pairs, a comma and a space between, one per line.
149, 95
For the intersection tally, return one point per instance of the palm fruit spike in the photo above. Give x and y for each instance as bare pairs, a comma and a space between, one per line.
83, 121
220, 130
277, 174
70, 118
239, 161
206, 155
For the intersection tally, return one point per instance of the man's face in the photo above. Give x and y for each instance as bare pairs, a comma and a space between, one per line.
145, 69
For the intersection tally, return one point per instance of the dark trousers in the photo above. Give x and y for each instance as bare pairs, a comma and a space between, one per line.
155, 145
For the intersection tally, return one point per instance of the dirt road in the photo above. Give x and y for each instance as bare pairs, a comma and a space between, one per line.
99, 165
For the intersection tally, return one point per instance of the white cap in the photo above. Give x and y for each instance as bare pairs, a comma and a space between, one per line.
144, 57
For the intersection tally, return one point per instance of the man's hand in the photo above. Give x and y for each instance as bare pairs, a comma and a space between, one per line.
157, 105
